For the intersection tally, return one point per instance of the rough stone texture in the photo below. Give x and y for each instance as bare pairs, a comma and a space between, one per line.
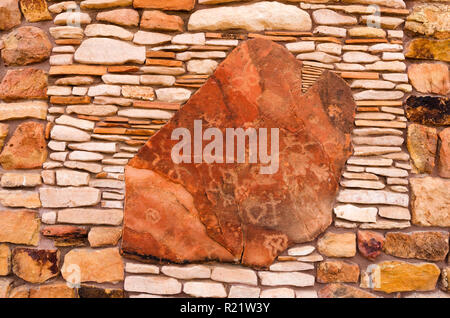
337, 272
394, 276
89, 291
431, 20
35, 266
370, 244
91, 216
253, 17
69, 197
343, 291
212, 222
430, 201
101, 4
19, 227
158, 285
29, 83
157, 20
330, 17
99, 265
337, 245
53, 290
430, 246
205, 289
103, 236
26, 149
66, 235
234, 275
125, 17
184, 5
112, 52
5, 260
284, 279
422, 146
444, 153
446, 279
428, 110
26, 45
35, 10
9, 14
430, 78
429, 49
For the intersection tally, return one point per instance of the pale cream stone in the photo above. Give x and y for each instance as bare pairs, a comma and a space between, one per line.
395, 34
388, 172
289, 279
359, 57
301, 47
173, 95
378, 95
330, 31
313, 258
254, 17
105, 100
385, 22
65, 133
164, 70
71, 178
72, 18
15, 180
300, 293
367, 32
363, 184
102, 4
85, 156
109, 52
355, 47
379, 141
278, 293
186, 56
331, 48
161, 80
151, 38
61, 59
386, 225
59, 90
205, 289
106, 183
301, 250
138, 268
372, 84
374, 150
104, 90
121, 79
68, 197
205, 66
369, 161
63, 49
66, 32
290, 267
138, 92
58, 156
75, 122
393, 56
32, 109
106, 147
398, 4
229, 274
187, 272
189, 38
330, 17
91, 216
107, 30
48, 217
92, 110
385, 47
237, 291
319, 56
48, 177
353, 213
373, 197
395, 66
396, 77
146, 113
349, 67
407, 88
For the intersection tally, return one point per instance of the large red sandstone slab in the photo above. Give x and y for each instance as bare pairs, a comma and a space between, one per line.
230, 212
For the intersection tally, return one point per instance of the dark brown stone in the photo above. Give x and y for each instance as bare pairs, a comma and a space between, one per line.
88, 291
430, 246
428, 49
29, 83
66, 235
26, 149
229, 211
428, 110
337, 272
343, 291
26, 45
35, 266
370, 244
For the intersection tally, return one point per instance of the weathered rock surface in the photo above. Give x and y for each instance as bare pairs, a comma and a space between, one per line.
89, 291
337, 272
157, 20
428, 110
29, 83
429, 49
430, 246
233, 214
343, 291
430, 20
444, 154
183, 5
253, 17
26, 45
53, 290
66, 235
422, 146
337, 244
99, 265
5, 260
370, 244
430, 201
9, 14
35, 10
394, 276
125, 17
35, 266
26, 149
112, 52
69, 197
430, 78
19, 227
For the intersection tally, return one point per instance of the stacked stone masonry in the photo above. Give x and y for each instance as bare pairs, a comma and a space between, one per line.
84, 84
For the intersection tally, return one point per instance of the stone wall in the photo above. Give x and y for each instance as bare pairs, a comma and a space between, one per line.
86, 83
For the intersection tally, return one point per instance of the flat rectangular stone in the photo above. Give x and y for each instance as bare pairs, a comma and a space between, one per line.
187, 272
75, 69
19, 227
353, 213
137, 268
91, 216
15, 180
205, 289
234, 275
288, 279
69, 197
34, 109
373, 197
153, 285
